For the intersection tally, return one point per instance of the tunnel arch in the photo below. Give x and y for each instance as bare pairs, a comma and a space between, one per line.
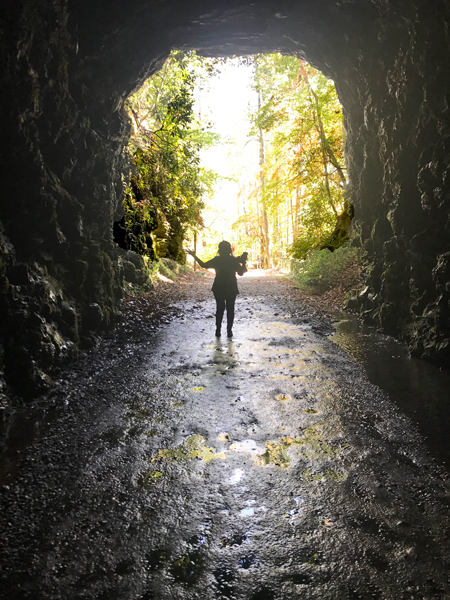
69, 66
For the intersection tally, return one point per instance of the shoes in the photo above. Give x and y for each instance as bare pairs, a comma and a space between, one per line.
229, 333
217, 332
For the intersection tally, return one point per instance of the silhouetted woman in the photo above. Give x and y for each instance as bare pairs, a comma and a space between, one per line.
225, 287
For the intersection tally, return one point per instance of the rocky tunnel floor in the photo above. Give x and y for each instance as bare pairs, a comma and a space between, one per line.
263, 467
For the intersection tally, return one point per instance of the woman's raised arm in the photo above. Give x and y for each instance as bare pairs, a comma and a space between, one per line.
205, 265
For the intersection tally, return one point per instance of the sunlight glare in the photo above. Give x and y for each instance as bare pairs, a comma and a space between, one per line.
226, 103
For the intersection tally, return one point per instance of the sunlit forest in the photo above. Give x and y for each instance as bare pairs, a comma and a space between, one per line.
287, 163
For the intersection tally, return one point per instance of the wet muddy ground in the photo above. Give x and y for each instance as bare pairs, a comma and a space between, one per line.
181, 466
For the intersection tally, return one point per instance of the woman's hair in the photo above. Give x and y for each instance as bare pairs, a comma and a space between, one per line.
225, 248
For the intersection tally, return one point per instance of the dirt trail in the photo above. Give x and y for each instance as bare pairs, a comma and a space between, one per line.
262, 467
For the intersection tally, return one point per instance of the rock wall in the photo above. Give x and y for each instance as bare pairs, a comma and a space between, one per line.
61, 167
67, 68
399, 159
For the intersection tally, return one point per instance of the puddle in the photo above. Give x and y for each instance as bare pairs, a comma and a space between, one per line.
313, 439
247, 446
238, 474
293, 514
275, 454
247, 512
420, 390
194, 447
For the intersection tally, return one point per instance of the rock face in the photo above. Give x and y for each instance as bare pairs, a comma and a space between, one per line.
67, 68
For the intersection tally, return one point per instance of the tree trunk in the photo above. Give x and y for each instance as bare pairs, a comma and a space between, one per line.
324, 145
298, 196
327, 181
195, 250
324, 142
266, 237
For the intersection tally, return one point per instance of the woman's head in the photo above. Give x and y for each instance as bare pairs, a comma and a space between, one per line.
224, 248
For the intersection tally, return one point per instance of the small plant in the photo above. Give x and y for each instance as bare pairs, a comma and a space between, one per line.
320, 271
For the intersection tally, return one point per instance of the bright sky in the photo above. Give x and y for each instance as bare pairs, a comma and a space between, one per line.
226, 103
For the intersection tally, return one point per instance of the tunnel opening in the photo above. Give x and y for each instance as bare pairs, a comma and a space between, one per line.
68, 70
248, 149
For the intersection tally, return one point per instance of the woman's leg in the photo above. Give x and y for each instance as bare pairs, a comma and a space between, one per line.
230, 315
220, 309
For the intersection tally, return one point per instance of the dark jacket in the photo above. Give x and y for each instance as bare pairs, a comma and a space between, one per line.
226, 267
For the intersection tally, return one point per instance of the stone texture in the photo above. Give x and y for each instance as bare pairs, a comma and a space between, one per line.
67, 68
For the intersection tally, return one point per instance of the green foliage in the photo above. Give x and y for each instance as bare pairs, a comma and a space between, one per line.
301, 185
140, 220
165, 194
317, 222
320, 270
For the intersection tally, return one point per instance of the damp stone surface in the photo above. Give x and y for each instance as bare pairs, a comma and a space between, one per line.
190, 467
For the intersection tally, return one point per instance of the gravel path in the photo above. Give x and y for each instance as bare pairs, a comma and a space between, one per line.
186, 467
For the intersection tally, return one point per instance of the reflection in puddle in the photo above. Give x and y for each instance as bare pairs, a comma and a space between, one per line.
247, 512
275, 454
293, 514
238, 474
420, 390
194, 447
282, 397
247, 446
314, 439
